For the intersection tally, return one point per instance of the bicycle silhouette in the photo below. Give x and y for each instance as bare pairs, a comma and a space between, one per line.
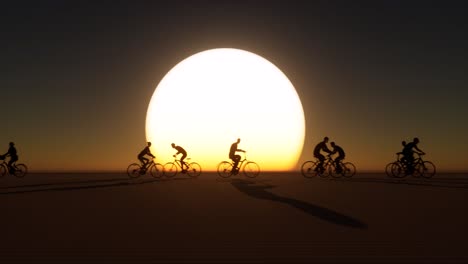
19, 170
400, 168
193, 169
249, 168
309, 168
136, 170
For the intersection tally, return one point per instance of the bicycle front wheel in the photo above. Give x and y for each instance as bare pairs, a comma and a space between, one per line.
194, 170
133, 170
308, 169
225, 169
157, 170
3, 171
20, 170
388, 170
170, 169
427, 169
349, 169
251, 169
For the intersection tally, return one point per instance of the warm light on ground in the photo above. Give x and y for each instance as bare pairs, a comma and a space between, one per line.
212, 98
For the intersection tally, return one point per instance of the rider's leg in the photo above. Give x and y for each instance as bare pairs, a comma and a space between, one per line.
236, 160
182, 162
143, 161
10, 164
321, 159
337, 164
410, 164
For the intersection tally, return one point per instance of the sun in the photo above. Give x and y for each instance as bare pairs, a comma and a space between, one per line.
212, 98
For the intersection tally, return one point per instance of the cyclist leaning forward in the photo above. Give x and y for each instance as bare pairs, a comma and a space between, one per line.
182, 151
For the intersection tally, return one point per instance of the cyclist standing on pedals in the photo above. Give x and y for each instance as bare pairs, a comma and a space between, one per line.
341, 156
322, 146
13, 157
182, 151
408, 152
146, 151
232, 155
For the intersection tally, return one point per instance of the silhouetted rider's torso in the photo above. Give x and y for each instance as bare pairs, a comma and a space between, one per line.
232, 151
340, 151
145, 151
321, 146
12, 152
180, 150
408, 149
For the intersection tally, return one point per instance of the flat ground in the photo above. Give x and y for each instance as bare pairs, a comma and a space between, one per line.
277, 217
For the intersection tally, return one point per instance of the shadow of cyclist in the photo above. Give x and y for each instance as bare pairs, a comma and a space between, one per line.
260, 192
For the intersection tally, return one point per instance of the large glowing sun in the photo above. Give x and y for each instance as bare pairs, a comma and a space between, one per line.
212, 98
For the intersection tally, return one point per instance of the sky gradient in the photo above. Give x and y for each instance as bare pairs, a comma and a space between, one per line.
76, 78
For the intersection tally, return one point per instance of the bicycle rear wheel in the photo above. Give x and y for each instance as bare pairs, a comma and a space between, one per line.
308, 169
157, 170
426, 169
225, 169
349, 169
398, 171
194, 169
133, 170
170, 169
20, 170
251, 169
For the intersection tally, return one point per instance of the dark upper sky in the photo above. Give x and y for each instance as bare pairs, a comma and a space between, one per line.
76, 77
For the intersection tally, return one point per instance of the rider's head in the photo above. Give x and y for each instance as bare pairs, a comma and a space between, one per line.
149, 144
173, 145
403, 143
416, 140
325, 139
12, 144
238, 140
332, 144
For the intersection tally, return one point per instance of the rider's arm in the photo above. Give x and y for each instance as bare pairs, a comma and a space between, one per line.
420, 151
240, 150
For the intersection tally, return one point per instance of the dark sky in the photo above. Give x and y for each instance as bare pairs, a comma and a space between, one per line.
76, 77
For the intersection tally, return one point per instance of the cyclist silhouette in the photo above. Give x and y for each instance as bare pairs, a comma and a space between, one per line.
403, 143
182, 151
13, 157
341, 156
233, 156
408, 151
322, 146
145, 151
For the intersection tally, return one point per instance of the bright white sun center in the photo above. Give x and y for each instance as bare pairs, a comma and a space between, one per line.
212, 98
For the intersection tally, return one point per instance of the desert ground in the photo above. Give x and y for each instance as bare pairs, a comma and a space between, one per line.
277, 217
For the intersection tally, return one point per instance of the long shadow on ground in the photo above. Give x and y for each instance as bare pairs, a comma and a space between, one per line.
77, 185
260, 192
441, 183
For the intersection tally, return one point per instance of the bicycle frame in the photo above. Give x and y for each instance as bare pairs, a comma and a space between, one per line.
179, 163
241, 161
5, 164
